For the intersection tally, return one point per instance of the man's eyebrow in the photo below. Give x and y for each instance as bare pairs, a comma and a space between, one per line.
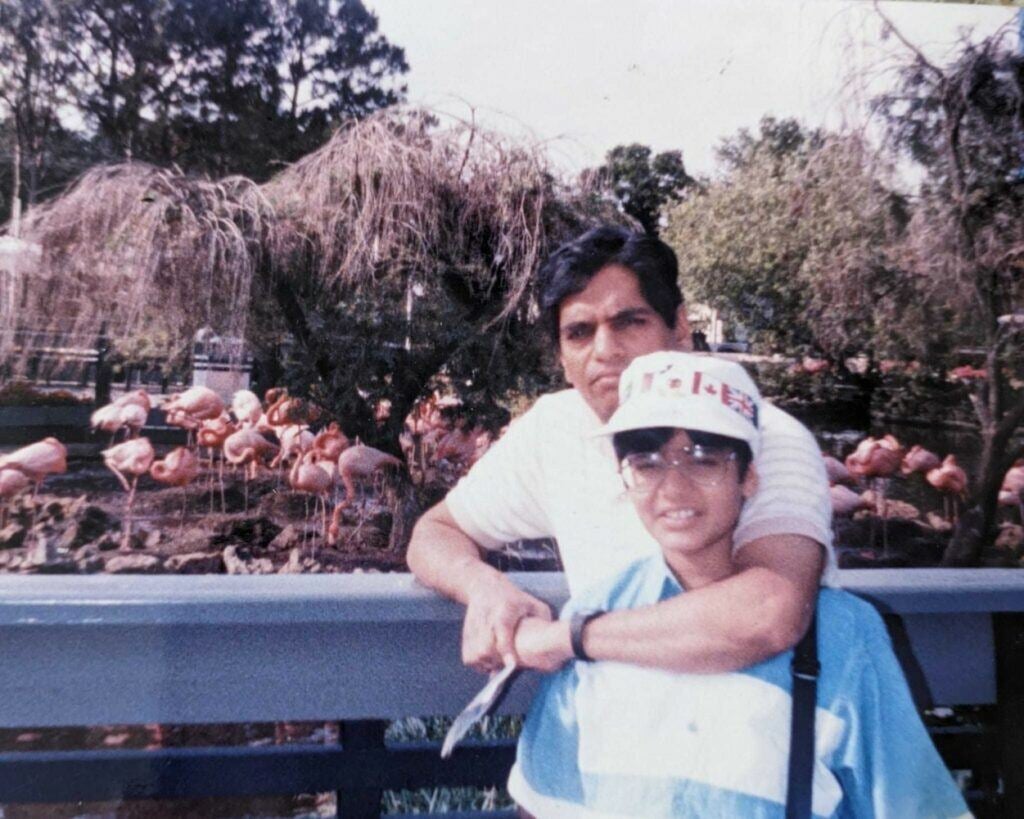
631, 312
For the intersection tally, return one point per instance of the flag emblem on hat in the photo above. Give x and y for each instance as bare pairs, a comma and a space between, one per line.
668, 383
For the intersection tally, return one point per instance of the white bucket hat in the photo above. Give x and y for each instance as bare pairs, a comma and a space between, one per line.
683, 390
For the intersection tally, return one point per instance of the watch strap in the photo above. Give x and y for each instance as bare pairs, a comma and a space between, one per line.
577, 623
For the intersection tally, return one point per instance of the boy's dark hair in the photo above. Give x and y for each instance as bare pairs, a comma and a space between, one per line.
569, 269
651, 439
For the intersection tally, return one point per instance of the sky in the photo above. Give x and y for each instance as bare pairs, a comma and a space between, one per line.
585, 75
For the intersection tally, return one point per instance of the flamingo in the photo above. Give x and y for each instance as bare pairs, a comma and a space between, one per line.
329, 443
35, 461
211, 436
133, 457
137, 397
877, 459
813, 366
12, 483
246, 407
1011, 493
919, 459
117, 416
354, 464
836, 470
247, 448
968, 373
845, 501
307, 476
296, 440
949, 479
179, 468
201, 403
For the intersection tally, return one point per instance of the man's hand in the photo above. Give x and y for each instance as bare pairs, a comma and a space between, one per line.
543, 644
494, 609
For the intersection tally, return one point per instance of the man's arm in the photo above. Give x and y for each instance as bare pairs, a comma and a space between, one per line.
748, 617
443, 557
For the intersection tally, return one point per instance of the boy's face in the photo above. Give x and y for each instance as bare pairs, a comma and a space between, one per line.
689, 519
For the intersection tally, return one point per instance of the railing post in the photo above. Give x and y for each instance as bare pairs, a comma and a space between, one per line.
357, 735
1009, 639
102, 368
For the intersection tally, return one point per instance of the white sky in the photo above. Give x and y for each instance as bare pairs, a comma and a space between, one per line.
587, 75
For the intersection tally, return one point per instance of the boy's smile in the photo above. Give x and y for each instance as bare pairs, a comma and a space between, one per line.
693, 522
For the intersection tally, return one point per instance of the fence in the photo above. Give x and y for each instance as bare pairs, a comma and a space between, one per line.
362, 649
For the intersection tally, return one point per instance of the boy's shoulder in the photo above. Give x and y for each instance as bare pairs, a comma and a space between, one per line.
639, 583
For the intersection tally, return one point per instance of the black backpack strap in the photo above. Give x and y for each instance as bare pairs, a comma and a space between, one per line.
801, 745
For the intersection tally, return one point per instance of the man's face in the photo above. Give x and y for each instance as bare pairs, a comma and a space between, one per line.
603, 328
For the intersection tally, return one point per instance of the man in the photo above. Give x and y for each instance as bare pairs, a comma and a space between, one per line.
608, 297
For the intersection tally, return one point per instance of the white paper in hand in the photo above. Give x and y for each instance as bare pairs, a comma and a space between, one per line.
479, 707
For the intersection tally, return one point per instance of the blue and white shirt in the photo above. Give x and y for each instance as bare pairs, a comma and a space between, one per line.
608, 739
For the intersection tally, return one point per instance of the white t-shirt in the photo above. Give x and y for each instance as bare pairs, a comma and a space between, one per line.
548, 476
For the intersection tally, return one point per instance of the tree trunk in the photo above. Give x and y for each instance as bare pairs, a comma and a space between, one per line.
16, 188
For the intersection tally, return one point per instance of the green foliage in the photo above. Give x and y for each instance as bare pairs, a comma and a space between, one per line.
643, 185
752, 243
23, 394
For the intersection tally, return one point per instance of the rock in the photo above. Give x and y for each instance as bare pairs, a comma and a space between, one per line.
93, 522
195, 563
87, 551
287, 538
134, 564
88, 559
250, 531
41, 551
238, 561
108, 542
12, 536
152, 539
1010, 537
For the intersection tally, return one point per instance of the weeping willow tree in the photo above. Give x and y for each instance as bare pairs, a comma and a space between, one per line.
142, 255
397, 258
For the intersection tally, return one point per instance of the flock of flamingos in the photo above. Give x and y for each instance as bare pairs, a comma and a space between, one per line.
276, 434
243, 436
876, 460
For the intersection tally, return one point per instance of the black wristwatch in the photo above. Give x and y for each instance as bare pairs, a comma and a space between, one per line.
577, 623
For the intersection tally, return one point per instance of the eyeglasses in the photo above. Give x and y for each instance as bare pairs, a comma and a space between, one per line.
705, 466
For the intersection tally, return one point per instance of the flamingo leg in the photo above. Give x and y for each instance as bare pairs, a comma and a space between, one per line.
220, 480
126, 539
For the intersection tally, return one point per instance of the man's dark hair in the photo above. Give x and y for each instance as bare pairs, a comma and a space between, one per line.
569, 269
651, 439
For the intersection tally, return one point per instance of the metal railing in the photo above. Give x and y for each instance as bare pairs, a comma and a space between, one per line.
363, 649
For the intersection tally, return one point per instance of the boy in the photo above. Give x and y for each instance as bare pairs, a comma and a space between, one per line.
611, 739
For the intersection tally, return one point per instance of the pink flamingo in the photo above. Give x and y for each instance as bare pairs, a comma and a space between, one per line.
845, 501
307, 476
1011, 493
35, 461
247, 448
950, 480
179, 468
355, 464
134, 458
919, 459
877, 460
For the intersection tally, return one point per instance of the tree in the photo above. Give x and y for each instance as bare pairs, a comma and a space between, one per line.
643, 185
127, 69
395, 260
751, 243
33, 51
962, 124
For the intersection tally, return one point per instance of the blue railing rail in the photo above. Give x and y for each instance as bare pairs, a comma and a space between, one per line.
364, 649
